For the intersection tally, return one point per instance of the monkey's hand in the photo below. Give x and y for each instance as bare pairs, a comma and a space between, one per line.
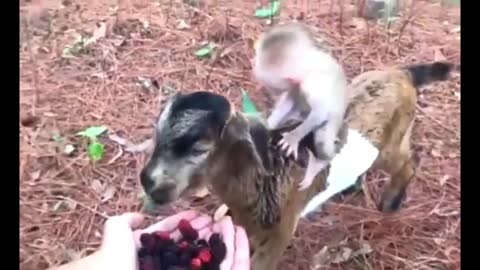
289, 143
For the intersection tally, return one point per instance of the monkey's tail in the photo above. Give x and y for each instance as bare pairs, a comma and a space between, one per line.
422, 74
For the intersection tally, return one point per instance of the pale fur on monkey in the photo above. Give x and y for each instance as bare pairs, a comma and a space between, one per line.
288, 59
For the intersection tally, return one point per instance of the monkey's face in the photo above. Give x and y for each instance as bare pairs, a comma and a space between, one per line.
185, 134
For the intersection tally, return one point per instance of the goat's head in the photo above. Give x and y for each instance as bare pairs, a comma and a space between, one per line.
185, 135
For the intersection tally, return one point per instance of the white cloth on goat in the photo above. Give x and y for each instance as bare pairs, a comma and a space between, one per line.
355, 158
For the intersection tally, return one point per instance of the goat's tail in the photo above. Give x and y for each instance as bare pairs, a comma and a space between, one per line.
422, 74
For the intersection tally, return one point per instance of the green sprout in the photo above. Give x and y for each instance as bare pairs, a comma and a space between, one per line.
95, 149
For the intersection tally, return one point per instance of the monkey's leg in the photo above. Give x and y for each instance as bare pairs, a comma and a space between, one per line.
314, 166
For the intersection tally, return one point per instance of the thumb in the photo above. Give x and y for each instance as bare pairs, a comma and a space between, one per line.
120, 225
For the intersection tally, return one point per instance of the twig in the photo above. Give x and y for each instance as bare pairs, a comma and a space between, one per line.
454, 132
83, 205
34, 64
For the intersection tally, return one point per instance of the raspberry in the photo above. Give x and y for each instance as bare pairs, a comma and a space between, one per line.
204, 255
187, 231
196, 264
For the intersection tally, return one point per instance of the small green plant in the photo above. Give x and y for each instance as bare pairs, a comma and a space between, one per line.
248, 107
269, 12
95, 149
205, 51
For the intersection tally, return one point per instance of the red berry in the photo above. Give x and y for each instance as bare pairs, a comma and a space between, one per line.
187, 231
163, 235
196, 264
204, 255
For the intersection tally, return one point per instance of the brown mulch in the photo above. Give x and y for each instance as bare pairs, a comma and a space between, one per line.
62, 208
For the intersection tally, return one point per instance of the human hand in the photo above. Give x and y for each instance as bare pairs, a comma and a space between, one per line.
234, 237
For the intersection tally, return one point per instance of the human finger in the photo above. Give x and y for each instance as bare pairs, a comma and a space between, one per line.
122, 224
241, 260
226, 229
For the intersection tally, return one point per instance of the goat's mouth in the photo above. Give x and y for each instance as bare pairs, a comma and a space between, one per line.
162, 195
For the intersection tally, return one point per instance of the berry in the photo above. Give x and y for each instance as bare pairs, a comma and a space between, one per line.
184, 259
169, 259
219, 251
214, 239
196, 264
183, 245
147, 241
202, 243
204, 255
163, 235
142, 252
187, 231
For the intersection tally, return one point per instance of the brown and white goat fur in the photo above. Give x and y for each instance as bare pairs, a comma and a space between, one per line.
201, 140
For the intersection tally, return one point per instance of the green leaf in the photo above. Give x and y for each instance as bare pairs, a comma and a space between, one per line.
92, 132
272, 10
248, 106
205, 51
57, 138
96, 151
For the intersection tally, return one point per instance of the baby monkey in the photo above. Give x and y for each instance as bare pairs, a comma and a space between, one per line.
299, 74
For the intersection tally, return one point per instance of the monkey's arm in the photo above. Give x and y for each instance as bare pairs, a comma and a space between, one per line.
283, 105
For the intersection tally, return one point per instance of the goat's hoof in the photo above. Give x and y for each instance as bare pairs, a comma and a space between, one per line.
391, 201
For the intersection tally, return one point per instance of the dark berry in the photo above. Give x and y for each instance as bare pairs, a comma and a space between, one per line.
148, 241
169, 259
142, 252
215, 239
184, 259
219, 251
213, 265
202, 243
148, 263
187, 231
196, 264
194, 249
204, 255
183, 245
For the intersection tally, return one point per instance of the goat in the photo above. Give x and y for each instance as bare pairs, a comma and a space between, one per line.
200, 140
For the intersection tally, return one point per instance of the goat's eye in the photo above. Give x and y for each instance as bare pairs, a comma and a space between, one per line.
199, 149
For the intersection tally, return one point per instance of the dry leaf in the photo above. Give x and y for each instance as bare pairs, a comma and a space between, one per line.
115, 138
444, 179
201, 193
182, 25
97, 186
68, 149
108, 193
336, 255
438, 55
220, 212
145, 146
99, 33
436, 153
35, 175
